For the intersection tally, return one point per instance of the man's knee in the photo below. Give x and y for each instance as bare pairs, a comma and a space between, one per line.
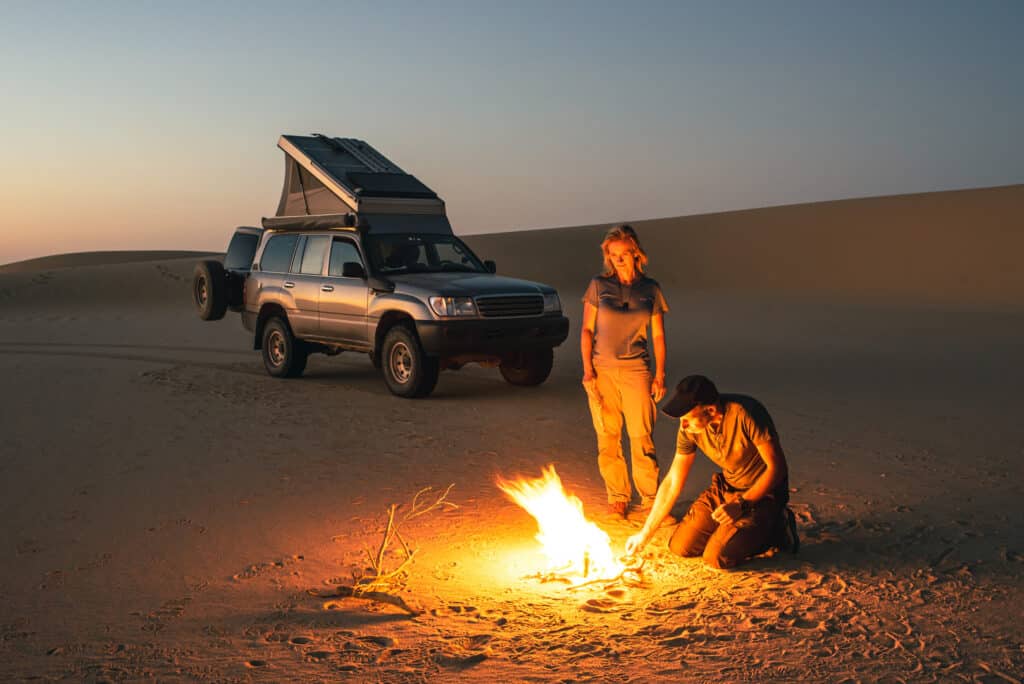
691, 550
686, 542
720, 559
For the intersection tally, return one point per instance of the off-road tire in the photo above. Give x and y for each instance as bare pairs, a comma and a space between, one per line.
527, 368
408, 371
210, 290
283, 355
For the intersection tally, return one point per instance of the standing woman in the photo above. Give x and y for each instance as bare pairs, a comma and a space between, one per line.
618, 308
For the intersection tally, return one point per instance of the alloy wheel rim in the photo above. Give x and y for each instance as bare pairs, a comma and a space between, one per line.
400, 362
201, 292
276, 347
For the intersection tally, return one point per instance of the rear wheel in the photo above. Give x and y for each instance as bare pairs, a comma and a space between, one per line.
210, 290
283, 355
527, 369
408, 371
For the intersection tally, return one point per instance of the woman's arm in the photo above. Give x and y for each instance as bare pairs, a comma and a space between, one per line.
658, 339
587, 340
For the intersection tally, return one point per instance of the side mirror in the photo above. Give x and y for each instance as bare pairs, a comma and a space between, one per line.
352, 269
380, 284
491, 266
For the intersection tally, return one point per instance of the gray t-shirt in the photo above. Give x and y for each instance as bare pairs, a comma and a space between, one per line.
733, 447
623, 315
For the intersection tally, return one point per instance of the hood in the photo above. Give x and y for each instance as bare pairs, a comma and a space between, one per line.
467, 284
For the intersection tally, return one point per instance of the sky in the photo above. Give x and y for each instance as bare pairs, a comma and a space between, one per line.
148, 125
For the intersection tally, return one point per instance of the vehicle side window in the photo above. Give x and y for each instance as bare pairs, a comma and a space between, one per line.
341, 252
313, 257
277, 255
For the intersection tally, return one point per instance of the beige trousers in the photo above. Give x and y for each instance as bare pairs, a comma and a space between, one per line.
625, 396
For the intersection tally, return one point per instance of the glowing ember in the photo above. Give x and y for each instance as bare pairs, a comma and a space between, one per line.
578, 549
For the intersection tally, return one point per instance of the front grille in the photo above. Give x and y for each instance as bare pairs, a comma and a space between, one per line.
510, 305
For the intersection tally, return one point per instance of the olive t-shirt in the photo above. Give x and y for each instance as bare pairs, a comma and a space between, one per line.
745, 424
623, 314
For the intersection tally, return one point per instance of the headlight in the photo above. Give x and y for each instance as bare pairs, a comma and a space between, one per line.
453, 306
551, 303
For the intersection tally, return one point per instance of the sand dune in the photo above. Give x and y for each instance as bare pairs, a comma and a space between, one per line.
171, 512
948, 249
78, 259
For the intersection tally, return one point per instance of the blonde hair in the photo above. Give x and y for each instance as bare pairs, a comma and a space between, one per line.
623, 233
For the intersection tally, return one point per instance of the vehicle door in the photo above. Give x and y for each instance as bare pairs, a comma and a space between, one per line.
303, 281
343, 298
275, 261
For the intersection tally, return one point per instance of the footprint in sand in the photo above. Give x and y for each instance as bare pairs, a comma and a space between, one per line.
602, 605
382, 641
300, 640
459, 661
254, 664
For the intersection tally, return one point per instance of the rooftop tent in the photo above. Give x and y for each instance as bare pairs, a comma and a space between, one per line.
340, 175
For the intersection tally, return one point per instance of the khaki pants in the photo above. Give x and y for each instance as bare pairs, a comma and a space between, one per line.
729, 544
625, 394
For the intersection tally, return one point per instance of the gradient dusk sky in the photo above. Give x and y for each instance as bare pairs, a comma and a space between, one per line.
145, 125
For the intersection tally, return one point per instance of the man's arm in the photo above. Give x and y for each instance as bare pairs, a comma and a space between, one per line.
774, 474
668, 492
772, 477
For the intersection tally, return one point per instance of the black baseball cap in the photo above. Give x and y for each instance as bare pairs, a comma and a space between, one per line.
693, 390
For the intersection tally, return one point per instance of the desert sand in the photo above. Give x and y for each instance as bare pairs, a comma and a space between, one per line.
169, 511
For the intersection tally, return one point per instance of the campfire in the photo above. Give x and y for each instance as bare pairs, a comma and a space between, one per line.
578, 551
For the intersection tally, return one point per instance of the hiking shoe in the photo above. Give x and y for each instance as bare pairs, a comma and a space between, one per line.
618, 509
789, 540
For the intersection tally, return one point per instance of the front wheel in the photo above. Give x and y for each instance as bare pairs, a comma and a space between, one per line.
408, 371
283, 355
527, 369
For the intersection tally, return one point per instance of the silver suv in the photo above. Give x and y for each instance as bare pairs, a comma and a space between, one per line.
388, 278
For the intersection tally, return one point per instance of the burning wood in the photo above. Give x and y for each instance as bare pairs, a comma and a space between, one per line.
578, 551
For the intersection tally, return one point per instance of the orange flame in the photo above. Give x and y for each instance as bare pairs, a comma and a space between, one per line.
577, 548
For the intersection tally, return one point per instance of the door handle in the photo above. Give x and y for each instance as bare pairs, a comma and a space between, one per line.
327, 288
289, 284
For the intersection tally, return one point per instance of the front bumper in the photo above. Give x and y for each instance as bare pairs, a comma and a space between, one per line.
491, 337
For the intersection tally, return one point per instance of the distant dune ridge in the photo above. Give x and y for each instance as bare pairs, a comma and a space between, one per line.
77, 259
958, 248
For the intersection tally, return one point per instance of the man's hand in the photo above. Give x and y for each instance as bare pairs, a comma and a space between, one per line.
658, 388
636, 543
728, 513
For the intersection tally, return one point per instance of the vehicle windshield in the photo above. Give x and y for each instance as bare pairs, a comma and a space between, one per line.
394, 254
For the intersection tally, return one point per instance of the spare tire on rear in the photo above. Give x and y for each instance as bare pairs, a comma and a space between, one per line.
210, 290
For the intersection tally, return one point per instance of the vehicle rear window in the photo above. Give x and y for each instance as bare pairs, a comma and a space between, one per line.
277, 255
313, 256
241, 250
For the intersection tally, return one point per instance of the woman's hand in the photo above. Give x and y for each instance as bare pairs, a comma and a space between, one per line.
658, 388
589, 378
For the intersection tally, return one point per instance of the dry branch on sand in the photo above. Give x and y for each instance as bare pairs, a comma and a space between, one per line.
381, 582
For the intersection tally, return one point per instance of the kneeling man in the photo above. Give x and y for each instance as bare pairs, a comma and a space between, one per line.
743, 512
